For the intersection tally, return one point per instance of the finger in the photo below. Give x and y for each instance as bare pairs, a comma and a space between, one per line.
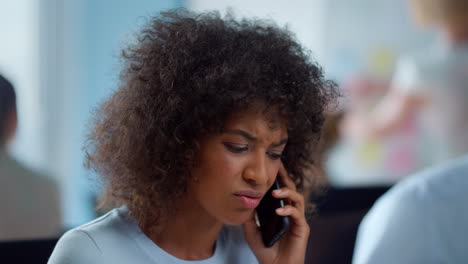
285, 179
297, 216
296, 199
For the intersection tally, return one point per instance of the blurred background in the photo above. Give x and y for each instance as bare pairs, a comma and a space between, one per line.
62, 57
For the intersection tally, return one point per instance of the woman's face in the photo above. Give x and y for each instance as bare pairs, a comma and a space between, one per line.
235, 168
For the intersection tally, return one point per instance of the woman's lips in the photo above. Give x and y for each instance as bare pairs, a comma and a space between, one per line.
248, 199
248, 202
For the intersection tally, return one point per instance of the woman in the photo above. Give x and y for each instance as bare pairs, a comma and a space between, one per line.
209, 112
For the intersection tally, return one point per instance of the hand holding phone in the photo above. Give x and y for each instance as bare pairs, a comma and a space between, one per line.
272, 226
283, 234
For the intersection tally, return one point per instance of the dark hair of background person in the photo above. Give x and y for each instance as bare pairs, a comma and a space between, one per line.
7, 106
183, 77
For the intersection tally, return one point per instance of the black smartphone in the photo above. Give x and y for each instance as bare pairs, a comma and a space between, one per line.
272, 226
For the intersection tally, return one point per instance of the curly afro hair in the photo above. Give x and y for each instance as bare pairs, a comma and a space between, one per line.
182, 78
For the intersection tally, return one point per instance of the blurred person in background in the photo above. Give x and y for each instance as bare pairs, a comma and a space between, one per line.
361, 160
430, 86
29, 202
209, 112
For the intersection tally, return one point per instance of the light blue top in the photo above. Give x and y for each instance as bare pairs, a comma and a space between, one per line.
423, 219
115, 238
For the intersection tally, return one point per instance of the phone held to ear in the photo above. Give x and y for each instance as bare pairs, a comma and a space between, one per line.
272, 226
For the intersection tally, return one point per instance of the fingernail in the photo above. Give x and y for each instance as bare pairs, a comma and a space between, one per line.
280, 210
278, 191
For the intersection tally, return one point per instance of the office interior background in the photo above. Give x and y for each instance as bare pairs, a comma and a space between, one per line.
63, 59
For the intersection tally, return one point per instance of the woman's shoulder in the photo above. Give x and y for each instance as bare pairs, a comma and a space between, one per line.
94, 241
110, 224
75, 246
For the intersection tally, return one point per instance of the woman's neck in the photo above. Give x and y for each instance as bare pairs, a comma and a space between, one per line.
189, 234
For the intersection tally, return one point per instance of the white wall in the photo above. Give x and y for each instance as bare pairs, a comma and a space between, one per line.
304, 17
19, 61
358, 32
342, 34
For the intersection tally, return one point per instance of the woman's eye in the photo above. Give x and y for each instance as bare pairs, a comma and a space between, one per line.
274, 155
236, 148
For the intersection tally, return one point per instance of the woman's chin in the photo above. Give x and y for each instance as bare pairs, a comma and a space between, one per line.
239, 218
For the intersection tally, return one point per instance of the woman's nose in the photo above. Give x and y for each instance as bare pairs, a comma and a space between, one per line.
256, 173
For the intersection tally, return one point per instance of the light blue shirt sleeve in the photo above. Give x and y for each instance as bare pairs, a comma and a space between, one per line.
394, 231
76, 247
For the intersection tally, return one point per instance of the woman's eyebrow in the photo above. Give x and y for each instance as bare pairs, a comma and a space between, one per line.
251, 137
242, 133
282, 142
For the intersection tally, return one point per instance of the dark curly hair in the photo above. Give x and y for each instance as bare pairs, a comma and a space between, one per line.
184, 76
